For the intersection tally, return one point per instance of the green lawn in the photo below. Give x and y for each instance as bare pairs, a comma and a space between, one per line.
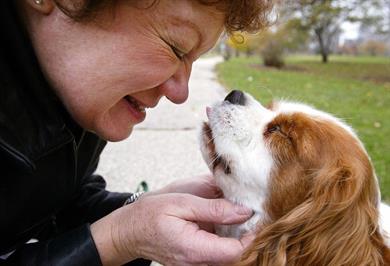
356, 89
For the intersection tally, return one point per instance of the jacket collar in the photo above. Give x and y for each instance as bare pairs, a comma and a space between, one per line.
32, 119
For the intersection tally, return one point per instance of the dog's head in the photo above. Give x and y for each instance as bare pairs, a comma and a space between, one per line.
308, 175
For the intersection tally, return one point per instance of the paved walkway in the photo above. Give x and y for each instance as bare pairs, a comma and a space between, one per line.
165, 146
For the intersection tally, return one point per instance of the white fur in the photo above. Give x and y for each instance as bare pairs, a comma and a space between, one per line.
294, 107
238, 137
384, 222
237, 133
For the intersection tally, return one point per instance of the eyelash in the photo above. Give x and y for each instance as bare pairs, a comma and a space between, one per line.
180, 55
273, 129
277, 129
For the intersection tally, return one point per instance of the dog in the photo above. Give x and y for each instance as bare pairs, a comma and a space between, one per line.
307, 177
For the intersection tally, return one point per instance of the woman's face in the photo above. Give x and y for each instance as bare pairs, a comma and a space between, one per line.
107, 73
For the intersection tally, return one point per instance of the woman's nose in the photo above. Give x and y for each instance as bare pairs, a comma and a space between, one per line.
175, 88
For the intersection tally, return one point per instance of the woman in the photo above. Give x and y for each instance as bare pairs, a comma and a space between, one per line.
75, 74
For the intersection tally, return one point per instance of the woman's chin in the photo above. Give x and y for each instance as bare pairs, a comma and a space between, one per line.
114, 135
114, 125
113, 129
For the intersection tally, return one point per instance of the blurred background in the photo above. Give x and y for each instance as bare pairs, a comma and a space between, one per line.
332, 54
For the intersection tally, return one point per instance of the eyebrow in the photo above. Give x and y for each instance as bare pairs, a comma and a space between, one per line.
179, 22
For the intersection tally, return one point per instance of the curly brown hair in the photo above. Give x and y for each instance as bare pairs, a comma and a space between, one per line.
241, 15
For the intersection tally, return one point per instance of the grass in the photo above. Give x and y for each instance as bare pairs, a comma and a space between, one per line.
356, 89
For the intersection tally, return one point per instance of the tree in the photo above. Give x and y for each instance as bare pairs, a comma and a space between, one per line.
373, 48
377, 16
285, 37
384, 25
322, 18
271, 44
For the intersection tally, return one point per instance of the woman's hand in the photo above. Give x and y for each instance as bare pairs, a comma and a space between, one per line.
203, 186
164, 228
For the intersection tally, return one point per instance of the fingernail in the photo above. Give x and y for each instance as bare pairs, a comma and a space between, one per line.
242, 210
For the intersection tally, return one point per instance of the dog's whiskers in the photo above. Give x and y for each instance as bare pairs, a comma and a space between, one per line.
215, 157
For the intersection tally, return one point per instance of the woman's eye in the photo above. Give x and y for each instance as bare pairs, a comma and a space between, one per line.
179, 54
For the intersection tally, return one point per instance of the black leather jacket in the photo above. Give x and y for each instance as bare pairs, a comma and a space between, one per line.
48, 189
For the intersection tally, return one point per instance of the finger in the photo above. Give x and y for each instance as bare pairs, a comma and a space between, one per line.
247, 239
207, 187
203, 186
219, 211
215, 250
209, 227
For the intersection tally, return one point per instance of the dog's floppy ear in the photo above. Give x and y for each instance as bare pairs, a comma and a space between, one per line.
337, 224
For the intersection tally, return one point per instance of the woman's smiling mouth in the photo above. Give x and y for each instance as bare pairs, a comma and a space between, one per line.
137, 109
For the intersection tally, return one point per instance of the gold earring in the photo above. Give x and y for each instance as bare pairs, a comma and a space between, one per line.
38, 2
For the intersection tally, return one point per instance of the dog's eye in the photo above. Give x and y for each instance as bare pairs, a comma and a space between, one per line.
273, 129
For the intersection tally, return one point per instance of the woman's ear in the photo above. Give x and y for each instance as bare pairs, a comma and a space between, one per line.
42, 6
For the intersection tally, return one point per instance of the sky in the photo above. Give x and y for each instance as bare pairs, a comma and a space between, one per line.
350, 31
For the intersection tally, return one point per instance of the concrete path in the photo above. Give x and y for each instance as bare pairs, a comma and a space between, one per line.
165, 146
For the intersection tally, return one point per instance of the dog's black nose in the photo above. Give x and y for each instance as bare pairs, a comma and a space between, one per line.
236, 97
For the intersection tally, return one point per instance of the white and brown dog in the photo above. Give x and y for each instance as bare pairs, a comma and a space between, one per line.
308, 179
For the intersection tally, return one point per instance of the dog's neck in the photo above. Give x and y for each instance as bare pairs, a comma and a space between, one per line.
241, 194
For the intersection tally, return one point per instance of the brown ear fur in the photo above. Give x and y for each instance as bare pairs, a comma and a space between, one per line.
335, 224
339, 229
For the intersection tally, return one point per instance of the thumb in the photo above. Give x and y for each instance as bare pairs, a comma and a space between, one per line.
219, 211
215, 250
247, 239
